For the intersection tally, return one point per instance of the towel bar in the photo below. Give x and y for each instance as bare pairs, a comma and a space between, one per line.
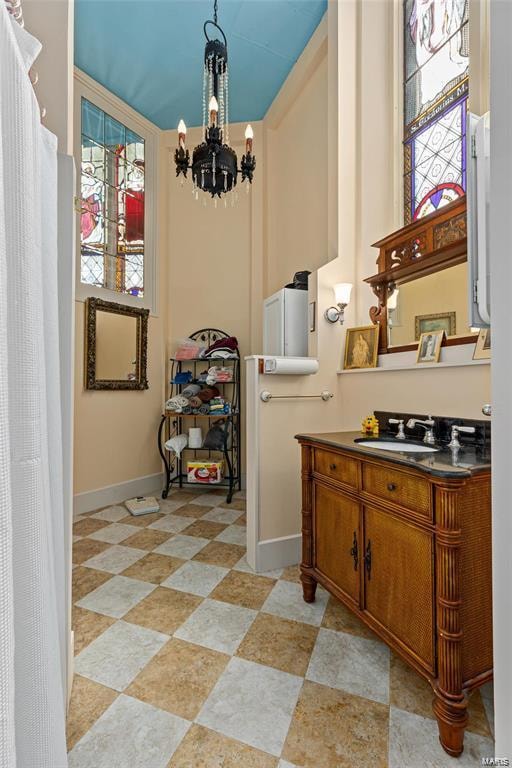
265, 395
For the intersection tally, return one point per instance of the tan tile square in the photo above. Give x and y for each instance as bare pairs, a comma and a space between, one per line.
184, 495
85, 580
292, 573
153, 567
87, 626
141, 521
338, 617
203, 748
411, 692
164, 610
219, 553
279, 643
235, 504
88, 701
147, 538
243, 589
86, 548
179, 678
205, 529
334, 729
242, 520
190, 510
87, 526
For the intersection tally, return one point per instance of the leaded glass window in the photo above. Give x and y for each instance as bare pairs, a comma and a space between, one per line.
436, 59
112, 203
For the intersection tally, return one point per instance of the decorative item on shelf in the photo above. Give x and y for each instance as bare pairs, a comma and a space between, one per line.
483, 345
440, 321
361, 347
342, 293
370, 426
214, 163
429, 347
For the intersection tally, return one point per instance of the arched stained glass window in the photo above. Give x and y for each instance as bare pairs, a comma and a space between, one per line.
436, 59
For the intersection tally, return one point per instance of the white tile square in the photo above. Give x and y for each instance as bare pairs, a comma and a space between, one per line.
234, 534
184, 547
117, 596
286, 764
130, 734
252, 703
219, 515
414, 741
116, 558
196, 578
244, 566
114, 533
286, 601
171, 523
217, 625
112, 514
117, 656
353, 664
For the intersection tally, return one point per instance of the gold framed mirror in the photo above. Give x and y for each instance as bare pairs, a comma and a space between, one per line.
116, 340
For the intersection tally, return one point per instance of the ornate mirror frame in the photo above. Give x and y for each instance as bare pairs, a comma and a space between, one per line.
425, 246
140, 381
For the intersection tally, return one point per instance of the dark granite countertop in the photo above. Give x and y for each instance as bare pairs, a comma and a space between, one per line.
469, 460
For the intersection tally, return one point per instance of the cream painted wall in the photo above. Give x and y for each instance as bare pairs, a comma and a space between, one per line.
296, 188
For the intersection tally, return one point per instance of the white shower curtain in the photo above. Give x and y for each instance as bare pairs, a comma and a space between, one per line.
32, 547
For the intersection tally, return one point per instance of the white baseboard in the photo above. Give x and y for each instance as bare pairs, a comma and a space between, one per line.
71, 665
278, 553
113, 494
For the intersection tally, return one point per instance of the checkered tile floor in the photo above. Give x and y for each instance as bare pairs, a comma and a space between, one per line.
187, 659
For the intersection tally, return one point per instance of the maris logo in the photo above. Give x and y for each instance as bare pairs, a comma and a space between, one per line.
495, 761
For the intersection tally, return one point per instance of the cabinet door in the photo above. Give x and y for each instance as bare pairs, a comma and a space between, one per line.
399, 580
337, 542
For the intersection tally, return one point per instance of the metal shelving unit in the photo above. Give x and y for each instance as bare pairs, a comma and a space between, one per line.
173, 423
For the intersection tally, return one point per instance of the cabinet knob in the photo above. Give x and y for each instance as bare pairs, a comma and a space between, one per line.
391, 487
332, 467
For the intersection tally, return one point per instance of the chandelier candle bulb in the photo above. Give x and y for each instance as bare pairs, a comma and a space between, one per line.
213, 108
249, 135
182, 132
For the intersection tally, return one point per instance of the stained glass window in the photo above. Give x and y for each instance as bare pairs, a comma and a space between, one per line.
112, 203
436, 59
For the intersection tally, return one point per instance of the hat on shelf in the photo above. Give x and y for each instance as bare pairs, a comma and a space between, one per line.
300, 281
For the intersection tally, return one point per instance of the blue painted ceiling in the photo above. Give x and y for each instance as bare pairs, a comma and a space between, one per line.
150, 52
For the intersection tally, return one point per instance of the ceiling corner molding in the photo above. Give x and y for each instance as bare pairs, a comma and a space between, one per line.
303, 69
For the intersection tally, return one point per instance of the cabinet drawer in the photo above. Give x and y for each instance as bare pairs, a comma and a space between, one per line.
399, 487
340, 468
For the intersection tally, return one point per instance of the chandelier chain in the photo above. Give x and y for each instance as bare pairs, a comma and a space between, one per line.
215, 11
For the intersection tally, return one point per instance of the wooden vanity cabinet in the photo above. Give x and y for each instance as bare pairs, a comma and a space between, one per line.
410, 554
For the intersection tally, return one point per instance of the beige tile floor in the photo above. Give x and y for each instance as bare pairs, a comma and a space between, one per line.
187, 659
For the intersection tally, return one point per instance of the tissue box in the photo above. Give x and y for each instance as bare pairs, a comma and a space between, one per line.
205, 472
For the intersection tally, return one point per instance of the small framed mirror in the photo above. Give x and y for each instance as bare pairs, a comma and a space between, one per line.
116, 340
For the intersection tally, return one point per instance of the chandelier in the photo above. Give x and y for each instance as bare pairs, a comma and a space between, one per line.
214, 163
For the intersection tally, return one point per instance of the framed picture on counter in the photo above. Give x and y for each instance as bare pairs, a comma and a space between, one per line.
483, 345
361, 347
429, 348
440, 321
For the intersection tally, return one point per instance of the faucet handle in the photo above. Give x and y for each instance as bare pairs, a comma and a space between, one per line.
400, 435
456, 429
468, 430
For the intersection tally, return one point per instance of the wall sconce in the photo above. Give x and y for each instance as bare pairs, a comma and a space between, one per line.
342, 293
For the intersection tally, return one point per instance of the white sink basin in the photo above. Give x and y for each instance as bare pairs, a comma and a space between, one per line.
384, 445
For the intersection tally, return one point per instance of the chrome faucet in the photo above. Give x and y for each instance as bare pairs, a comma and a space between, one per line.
428, 426
454, 442
400, 435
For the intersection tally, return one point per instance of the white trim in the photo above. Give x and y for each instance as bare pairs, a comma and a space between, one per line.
278, 553
114, 494
252, 453
88, 88
417, 367
398, 114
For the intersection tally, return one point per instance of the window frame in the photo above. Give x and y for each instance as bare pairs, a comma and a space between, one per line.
87, 88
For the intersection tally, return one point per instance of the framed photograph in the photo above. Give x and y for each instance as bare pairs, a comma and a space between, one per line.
442, 321
483, 345
429, 348
361, 347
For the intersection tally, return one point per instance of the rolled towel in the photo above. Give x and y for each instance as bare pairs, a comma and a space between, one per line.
206, 394
195, 402
204, 410
176, 403
187, 410
191, 390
